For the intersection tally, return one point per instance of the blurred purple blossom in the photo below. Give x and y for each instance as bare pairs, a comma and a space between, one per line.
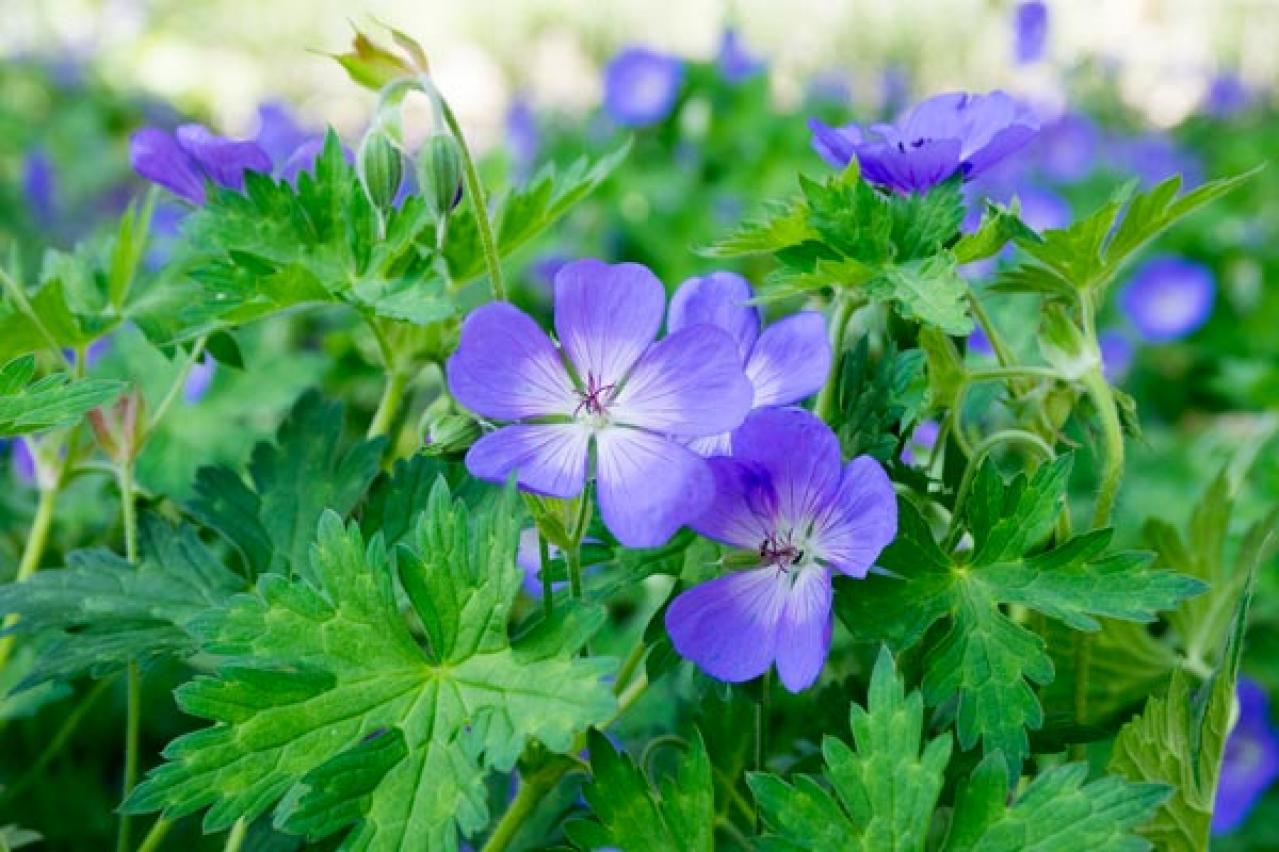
39, 186
1030, 31
1117, 354
1155, 157
945, 135
921, 441
1227, 96
522, 136
1251, 761
1067, 147
736, 64
641, 86
1168, 298
279, 133
979, 343
22, 461
199, 380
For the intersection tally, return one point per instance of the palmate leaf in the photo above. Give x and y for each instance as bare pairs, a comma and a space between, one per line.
1180, 740
784, 225
930, 290
984, 660
1092, 251
884, 791
55, 400
100, 611
875, 396
678, 815
326, 708
271, 519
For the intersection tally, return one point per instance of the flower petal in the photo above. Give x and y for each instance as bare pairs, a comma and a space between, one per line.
505, 367
720, 299
224, 160
156, 155
606, 316
712, 445
744, 504
689, 384
649, 486
859, 522
791, 360
549, 458
909, 168
801, 457
804, 629
836, 145
729, 626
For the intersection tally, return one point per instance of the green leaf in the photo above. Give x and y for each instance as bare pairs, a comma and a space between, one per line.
1092, 251
52, 401
676, 814
13, 836
784, 225
1179, 739
984, 659
327, 708
1058, 812
930, 290
884, 790
271, 518
874, 397
101, 612
998, 226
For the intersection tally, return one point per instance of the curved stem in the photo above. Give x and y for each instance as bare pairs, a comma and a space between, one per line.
32, 552
475, 190
980, 452
840, 315
1003, 354
159, 830
235, 838
389, 405
994, 374
175, 388
1112, 439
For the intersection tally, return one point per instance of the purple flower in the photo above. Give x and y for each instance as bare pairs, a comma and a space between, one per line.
1227, 95
789, 361
608, 393
522, 137
279, 133
1030, 24
1251, 762
640, 86
22, 461
944, 135
784, 495
979, 343
199, 380
1043, 209
38, 185
1116, 354
922, 441
1168, 298
181, 161
736, 63
1067, 148
529, 560
1154, 157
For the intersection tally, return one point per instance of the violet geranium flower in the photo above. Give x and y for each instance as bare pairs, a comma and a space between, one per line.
607, 388
641, 86
1030, 31
182, 161
1251, 762
1168, 298
785, 495
736, 64
787, 362
945, 135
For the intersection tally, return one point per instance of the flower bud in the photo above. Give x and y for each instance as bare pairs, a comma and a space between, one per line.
380, 166
1063, 345
439, 174
450, 433
121, 430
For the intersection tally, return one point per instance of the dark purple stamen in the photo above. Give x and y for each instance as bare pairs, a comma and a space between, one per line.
593, 399
783, 554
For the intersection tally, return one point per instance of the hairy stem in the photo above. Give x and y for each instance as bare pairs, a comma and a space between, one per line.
843, 309
475, 191
31, 555
1112, 440
389, 405
133, 675
179, 382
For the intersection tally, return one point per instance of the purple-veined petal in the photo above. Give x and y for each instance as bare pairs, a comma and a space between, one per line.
728, 626
505, 367
158, 157
804, 629
859, 521
224, 160
791, 360
1003, 142
549, 458
799, 453
712, 445
836, 145
912, 168
744, 507
938, 117
721, 299
689, 384
606, 315
649, 486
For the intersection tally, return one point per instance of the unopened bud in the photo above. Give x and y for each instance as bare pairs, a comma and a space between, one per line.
380, 166
439, 174
1063, 345
450, 433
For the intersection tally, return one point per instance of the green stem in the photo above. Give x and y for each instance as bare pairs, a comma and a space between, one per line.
631, 663
133, 726
128, 512
59, 740
1112, 440
573, 556
840, 315
544, 561
979, 452
31, 555
159, 830
475, 191
1003, 354
179, 382
392, 396
235, 838
1010, 374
